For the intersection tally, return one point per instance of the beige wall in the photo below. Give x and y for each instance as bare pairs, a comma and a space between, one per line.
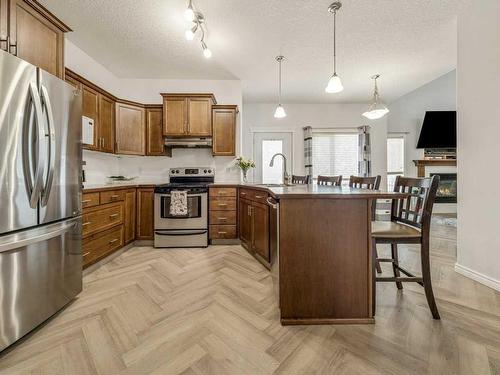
478, 89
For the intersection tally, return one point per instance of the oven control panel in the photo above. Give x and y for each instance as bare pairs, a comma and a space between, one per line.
193, 172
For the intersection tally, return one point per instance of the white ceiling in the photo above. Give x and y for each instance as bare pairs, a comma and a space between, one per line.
409, 42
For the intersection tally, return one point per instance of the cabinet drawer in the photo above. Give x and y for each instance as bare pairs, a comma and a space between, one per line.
102, 218
90, 200
98, 246
222, 192
223, 204
112, 196
255, 195
223, 217
222, 231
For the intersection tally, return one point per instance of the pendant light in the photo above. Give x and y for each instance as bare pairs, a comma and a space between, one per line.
377, 108
280, 111
334, 84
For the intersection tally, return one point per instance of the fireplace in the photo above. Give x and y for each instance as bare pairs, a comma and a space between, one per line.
447, 189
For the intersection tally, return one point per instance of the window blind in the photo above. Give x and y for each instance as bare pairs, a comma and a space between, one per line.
335, 154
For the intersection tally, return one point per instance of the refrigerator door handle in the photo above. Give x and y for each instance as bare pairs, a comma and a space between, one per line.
35, 185
15, 242
52, 144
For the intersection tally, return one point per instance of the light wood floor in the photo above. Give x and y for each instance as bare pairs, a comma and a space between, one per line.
213, 312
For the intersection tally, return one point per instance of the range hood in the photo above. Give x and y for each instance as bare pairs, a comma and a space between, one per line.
189, 142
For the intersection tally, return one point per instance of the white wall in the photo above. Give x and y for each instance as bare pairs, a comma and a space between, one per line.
153, 169
407, 113
478, 72
260, 116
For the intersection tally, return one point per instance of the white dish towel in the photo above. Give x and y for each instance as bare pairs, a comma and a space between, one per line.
178, 203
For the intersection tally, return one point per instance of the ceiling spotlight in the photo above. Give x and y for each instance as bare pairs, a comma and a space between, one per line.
189, 12
334, 83
206, 51
377, 108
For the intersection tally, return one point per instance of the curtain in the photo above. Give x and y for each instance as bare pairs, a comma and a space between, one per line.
308, 147
364, 149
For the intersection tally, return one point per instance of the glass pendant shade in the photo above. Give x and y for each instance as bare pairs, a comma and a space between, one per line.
334, 85
280, 112
376, 111
189, 34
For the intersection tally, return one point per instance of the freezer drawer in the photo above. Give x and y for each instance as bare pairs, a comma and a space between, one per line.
40, 272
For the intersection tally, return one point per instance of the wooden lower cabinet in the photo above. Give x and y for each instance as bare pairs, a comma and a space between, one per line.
130, 213
255, 226
101, 245
145, 214
223, 208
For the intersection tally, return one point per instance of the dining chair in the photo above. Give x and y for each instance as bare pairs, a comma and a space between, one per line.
330, 180
300, 180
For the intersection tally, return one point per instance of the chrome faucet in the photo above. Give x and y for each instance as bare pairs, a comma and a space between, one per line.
286, 176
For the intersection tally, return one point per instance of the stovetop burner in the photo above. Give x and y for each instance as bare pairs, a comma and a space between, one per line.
190, 179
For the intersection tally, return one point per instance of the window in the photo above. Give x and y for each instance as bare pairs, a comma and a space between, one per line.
335, 154
395, 159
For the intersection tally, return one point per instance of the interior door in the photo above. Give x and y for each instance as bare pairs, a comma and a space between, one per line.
265, 145
61, 106
20, 110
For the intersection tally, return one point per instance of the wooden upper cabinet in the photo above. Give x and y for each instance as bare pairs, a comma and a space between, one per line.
154, 131
90, 108
4, 28
72, 81
224, 130
200, 117
106, 130
187, 115
130, 129
175, 116
36, 36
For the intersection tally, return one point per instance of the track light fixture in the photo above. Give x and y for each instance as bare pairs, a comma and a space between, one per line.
198, 21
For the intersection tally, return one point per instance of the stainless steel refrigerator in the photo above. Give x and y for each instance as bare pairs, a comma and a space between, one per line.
40, 196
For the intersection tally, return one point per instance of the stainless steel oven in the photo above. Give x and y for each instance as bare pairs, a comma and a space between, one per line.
191, 229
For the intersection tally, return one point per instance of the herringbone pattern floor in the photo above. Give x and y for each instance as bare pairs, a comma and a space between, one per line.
213, 311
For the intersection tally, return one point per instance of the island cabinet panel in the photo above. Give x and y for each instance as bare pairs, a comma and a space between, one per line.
145, 214
34, 34
325, 271
224, 130
154, 131
130, 129
130, 215
90, 109
106, 130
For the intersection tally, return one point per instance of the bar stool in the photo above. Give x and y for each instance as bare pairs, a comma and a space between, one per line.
330, 180
370, 183
410, 224
300, 180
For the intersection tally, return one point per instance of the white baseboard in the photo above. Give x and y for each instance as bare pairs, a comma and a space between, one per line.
476, 276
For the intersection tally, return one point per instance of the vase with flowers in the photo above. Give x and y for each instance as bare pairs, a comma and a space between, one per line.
245, 165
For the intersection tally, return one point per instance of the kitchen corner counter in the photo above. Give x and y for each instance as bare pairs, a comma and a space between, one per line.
90, 188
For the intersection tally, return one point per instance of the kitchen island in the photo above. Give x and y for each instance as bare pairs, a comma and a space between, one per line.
324, 265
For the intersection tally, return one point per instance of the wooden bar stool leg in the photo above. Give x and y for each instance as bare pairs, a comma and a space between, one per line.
426, 278
377, 263
395, 263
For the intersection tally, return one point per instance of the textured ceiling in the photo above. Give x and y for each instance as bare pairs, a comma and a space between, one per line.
409, 42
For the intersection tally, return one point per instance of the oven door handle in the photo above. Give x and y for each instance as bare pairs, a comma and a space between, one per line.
189, 195
183, 233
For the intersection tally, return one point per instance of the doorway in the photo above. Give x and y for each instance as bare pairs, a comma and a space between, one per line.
265, 145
